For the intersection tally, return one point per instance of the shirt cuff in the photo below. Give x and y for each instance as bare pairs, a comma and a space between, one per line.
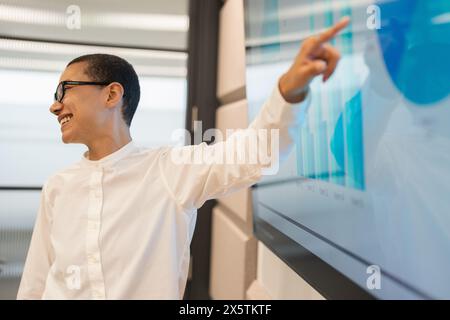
283, 113
278, 99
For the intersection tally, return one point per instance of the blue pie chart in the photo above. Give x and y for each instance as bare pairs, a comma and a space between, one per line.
415, 41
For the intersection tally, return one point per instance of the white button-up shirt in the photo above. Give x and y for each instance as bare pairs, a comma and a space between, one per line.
121, 227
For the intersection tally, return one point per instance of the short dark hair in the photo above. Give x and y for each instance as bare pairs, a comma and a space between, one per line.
110, 68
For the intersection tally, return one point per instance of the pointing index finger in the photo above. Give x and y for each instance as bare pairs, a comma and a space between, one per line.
331, 32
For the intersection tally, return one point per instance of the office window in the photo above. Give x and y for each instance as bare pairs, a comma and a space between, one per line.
35, 46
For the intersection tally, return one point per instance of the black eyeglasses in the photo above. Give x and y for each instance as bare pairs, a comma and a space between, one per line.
61, 89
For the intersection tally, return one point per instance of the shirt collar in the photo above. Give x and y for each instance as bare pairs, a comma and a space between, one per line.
111, 158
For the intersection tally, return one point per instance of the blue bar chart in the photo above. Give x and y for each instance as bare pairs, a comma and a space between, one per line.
330, 143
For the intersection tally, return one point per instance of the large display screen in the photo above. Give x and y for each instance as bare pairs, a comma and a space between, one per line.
367, 189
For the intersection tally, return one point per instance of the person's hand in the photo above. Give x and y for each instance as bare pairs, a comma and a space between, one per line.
315, 57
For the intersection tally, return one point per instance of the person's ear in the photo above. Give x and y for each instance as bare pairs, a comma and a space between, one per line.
115, 94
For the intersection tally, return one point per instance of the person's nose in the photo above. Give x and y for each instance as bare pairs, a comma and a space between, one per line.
56, 108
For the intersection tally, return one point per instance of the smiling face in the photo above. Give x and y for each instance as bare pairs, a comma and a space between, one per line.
84, 111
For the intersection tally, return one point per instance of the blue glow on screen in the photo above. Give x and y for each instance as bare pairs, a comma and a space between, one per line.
373, 152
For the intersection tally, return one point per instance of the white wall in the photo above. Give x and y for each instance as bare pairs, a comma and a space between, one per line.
241, 266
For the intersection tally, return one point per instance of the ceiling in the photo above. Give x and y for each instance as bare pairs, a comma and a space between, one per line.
154, 24
45, 35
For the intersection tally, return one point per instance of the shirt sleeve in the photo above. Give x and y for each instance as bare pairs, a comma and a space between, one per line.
194, 174
40, 255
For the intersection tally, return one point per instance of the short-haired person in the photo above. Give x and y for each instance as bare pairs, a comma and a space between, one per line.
118, 223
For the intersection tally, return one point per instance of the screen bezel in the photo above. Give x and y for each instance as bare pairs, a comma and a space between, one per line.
328, 281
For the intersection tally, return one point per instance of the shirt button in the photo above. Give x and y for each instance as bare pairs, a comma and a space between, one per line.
92, 225
92, 258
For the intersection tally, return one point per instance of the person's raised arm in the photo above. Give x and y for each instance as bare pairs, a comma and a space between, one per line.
194, 174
